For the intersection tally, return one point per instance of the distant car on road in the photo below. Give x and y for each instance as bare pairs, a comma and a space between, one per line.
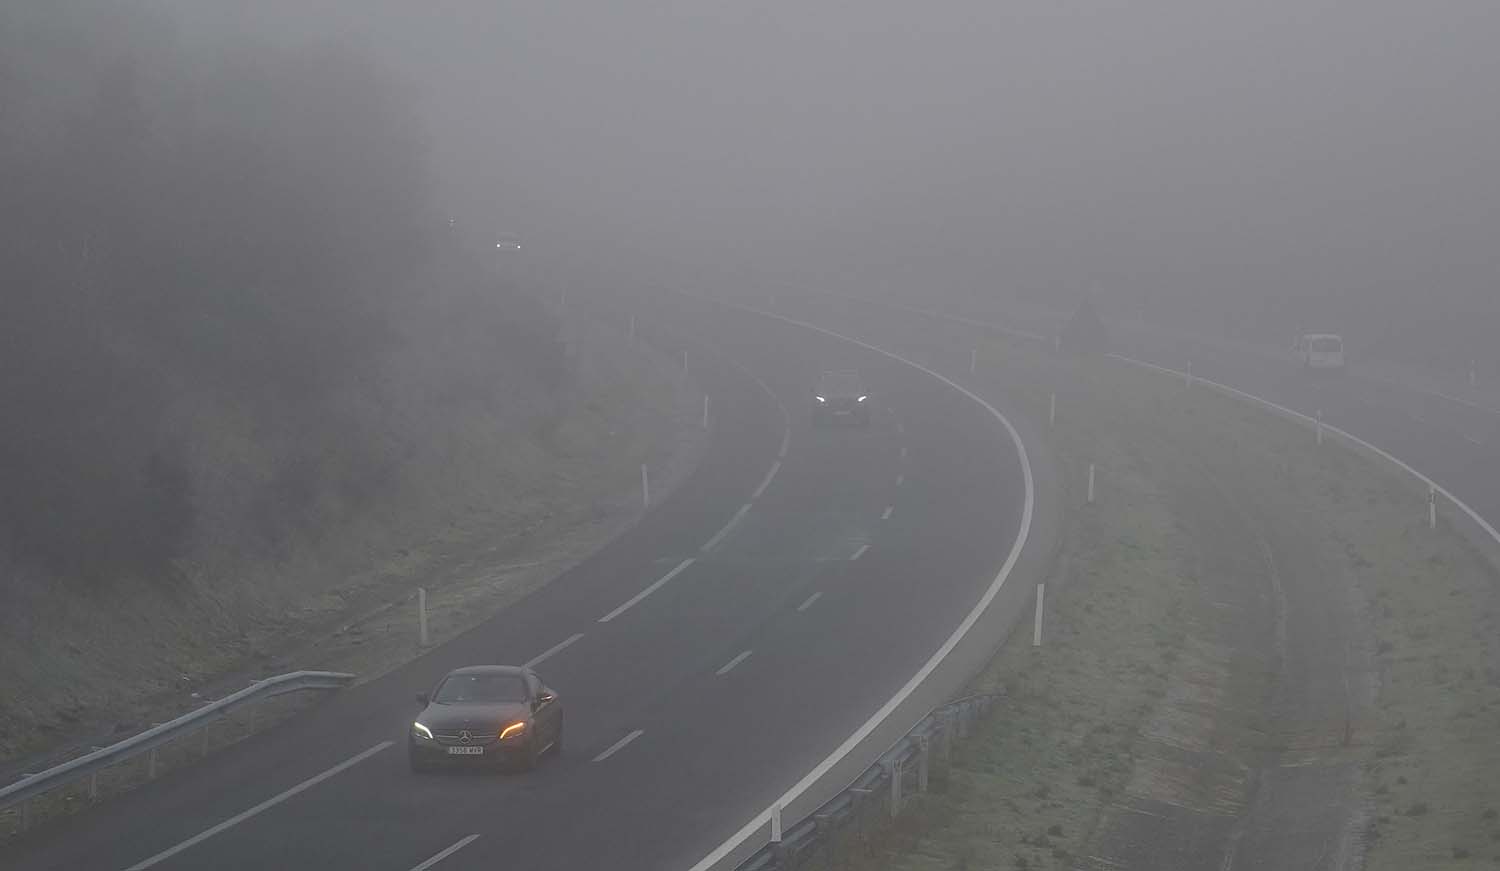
841, 395
489, 714
1320, 351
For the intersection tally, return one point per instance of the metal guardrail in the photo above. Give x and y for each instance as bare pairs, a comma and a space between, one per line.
879, 792
29, 787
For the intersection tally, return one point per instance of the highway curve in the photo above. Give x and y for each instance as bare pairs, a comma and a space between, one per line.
691, 707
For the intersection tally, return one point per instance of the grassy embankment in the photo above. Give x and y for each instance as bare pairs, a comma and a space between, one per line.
1132, 622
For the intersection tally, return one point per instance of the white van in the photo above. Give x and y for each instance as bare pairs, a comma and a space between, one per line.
1320, 351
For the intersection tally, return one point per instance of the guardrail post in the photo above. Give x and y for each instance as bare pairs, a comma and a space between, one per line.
1091, 483
924, 747
1431, 507
1052, 409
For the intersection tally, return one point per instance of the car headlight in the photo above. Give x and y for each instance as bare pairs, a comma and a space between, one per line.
821, 398
420, 731
513, 730
862, 399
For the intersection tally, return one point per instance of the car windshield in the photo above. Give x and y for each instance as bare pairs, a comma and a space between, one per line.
839, 383
1326, 343
462, 688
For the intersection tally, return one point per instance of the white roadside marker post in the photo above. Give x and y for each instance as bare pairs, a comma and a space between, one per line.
1431, 507
1091, 483
1188, 374
973, 360
645, 487
1320, 426
776, 823
422, 615
632, 329
1036, 628
1052, 409
1473, 373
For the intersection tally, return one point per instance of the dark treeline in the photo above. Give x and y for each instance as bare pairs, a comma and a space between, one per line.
203, 257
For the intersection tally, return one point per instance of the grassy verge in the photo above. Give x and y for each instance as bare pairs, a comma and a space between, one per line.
1134, 629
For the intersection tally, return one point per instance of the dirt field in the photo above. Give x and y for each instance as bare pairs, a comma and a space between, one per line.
1258, 657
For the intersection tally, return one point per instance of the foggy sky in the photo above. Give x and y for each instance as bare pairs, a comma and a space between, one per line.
1343, 150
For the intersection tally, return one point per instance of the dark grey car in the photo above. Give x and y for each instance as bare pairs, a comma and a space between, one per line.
486, 714
841, 395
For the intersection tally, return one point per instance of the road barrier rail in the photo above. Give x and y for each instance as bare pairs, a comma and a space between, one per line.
30, 786
919, 759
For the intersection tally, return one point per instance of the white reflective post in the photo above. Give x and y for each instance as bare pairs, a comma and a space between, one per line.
776, 823
422, 616
1052, 409
1036, 629
1091, 483
645, 487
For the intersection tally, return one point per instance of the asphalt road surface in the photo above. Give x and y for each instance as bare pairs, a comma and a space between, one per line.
707, 659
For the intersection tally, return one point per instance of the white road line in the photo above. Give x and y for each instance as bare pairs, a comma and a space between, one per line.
462, 843
1028, 508
1471, 440
809, 603
719, 536
900, 479
903, 452
263, 806
775, 467
859, 553
556, 648
900, 428
615, 747
728, 666
887, 513
648, 591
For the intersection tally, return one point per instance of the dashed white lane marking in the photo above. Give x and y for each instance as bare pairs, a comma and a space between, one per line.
462, 843
809, 603
900, 479
1472, 440
719, 536
886, 515
775, 467
648, 591
615, 747
263, 806
903, 452
900, 429
728, 666
556, 648
859, 553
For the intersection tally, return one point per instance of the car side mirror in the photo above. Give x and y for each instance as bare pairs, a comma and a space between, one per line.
422, 699
542, 699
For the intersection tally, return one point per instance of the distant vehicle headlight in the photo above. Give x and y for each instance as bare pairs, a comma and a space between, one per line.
862, 399
821, 398
420, 731
513, 730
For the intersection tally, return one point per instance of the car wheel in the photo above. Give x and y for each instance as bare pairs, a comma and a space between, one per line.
527, 761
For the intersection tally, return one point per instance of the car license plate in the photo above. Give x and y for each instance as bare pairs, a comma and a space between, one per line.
465, 751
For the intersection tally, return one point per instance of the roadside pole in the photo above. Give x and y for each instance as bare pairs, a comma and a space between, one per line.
1036, 628
1431, 507
776, 823
422, 615
973, 360
1091, 483
1052, 409
705, 411
1320, 426
645, 487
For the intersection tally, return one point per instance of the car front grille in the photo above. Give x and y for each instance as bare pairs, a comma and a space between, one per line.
455, 737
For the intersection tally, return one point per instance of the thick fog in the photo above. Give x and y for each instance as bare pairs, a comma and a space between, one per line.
1242, 156
1257, 167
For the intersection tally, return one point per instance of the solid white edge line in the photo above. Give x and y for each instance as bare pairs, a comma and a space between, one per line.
728, 666
265, 805
556, 648
719, 536
618, 745
648, 591
886, 515
870, 725
462, 843
859, 553
1350, 437
775, 467
809, 603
